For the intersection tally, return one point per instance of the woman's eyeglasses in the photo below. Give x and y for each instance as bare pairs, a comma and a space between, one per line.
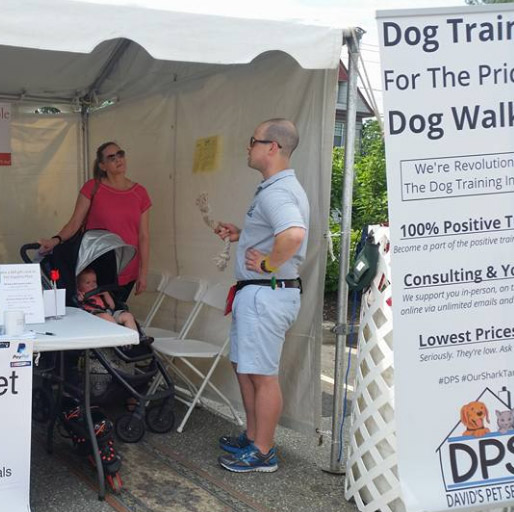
254, 141
112, 158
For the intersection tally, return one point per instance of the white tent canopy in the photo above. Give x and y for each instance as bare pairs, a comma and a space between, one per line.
173, 78
79, 26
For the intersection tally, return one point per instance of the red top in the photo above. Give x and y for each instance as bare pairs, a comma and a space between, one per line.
118, 211
94, 304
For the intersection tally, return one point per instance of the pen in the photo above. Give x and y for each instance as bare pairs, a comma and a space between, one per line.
46, 333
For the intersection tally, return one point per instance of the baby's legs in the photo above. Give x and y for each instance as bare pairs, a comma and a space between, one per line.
126, 319
106, 316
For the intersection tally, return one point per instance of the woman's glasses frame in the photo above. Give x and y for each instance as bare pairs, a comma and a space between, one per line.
113, 156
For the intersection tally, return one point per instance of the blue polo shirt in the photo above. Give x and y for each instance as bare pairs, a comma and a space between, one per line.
279, 203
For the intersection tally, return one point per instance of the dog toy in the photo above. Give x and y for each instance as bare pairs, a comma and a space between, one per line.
202, 201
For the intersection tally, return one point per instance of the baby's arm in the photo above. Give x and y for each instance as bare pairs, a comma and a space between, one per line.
108, 299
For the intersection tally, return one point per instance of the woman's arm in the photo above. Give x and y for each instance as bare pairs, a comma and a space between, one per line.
144, 252
71, 227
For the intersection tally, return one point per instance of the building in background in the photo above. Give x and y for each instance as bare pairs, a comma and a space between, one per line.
363, 109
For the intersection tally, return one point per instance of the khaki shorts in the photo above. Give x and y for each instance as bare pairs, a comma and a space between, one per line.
261, 317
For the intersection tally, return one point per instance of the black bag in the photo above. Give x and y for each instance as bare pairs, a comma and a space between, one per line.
66, 252
365, 267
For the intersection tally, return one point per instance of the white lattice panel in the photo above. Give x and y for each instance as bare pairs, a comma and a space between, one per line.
371, 468
371, 464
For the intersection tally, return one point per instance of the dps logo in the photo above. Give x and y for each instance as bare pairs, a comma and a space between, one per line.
477, 456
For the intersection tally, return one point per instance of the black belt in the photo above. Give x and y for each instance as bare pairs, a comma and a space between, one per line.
280, 283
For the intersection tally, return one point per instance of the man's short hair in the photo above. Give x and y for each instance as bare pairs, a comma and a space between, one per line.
282, 131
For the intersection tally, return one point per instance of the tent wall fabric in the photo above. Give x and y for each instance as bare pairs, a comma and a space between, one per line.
221, 88
160, 135
37, 191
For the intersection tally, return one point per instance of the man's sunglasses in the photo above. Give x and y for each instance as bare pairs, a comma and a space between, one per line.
254, 141
112, 158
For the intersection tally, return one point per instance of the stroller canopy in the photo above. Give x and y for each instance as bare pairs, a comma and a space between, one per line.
96, 243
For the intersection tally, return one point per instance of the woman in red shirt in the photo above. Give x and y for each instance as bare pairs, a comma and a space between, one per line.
117, 204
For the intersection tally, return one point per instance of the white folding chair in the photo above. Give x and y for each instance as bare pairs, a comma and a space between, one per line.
185, 348
182, 289
155, 283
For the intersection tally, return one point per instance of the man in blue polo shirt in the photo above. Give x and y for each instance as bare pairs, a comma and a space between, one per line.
272, 246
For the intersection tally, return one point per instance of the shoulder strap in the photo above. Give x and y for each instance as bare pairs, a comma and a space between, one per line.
93, 193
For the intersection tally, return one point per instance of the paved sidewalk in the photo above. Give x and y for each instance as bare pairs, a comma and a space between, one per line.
179, 472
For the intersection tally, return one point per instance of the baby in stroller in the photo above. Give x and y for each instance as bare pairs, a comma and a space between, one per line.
102, 304
88, 270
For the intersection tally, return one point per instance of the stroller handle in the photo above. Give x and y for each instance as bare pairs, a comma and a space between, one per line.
34, 246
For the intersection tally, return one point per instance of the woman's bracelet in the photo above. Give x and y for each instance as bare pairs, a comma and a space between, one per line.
58, 238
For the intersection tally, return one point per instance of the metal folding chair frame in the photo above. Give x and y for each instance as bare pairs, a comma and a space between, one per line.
183, 348
174, 288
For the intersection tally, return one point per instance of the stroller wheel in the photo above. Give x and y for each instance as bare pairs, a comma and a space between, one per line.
130, 428
160, 418
42, 401
114, 482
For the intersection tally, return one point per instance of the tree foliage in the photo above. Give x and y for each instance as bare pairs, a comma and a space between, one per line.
370, 187
369, 204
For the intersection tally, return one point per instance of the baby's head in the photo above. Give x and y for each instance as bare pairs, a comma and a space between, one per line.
86, 280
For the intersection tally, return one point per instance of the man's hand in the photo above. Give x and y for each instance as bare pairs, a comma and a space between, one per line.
253, 260
225, 230
285, 246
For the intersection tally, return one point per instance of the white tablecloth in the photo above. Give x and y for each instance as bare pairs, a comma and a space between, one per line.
79, 330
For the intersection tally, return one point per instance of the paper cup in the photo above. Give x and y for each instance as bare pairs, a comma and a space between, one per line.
14, 323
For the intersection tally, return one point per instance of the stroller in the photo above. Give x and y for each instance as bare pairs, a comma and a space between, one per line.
116, 373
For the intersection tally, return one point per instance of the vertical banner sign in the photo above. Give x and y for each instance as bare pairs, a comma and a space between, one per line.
15, 425
448, 81
5, 134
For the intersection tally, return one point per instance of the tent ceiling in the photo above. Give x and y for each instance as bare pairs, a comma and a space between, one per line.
57, 49
65, 76
50, 74
80, 25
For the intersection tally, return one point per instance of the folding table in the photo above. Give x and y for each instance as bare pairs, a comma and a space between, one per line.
79, 330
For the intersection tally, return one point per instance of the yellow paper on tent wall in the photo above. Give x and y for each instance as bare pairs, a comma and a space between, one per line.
207, 154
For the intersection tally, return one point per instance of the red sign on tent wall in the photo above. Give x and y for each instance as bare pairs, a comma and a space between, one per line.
5, 134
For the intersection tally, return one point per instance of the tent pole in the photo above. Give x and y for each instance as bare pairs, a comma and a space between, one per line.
28, 98
352, 40
84, 117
